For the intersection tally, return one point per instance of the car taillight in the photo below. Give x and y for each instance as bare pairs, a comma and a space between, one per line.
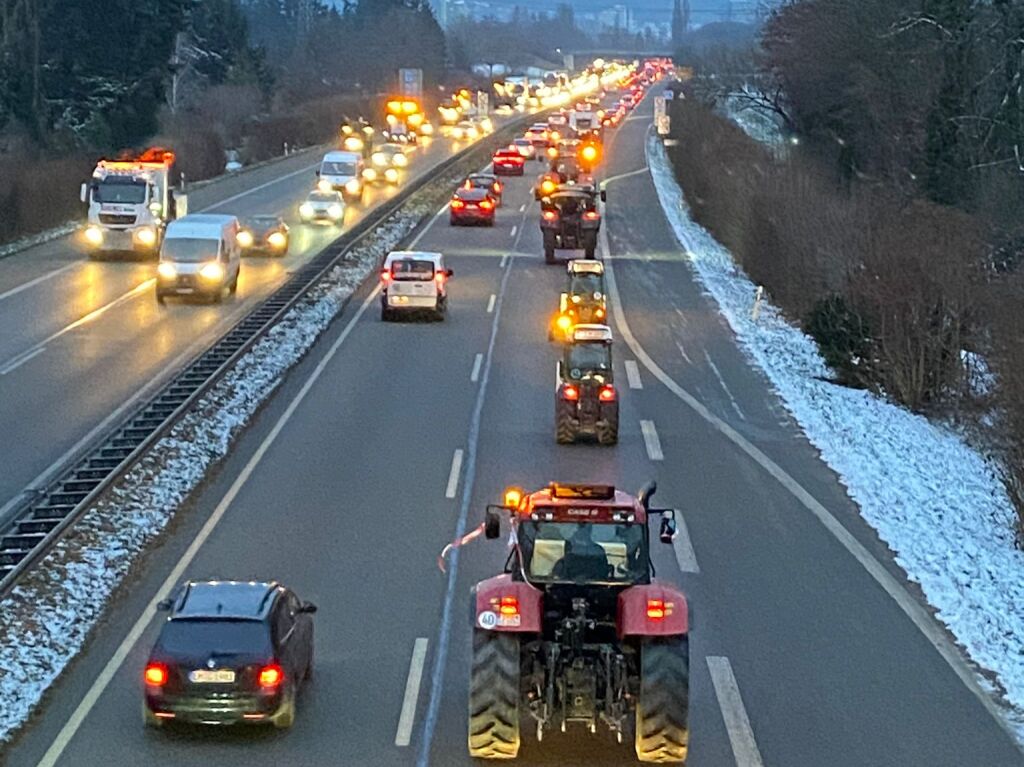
509, 606
656, 609
550, 215
591, 215
439, 278
607, 393
385, 275
271, 675
497, 187
486, 204
458, 204
570, 393
156, 675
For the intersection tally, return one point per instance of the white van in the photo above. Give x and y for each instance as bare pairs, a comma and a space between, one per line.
342, 171
414, 281
200, 255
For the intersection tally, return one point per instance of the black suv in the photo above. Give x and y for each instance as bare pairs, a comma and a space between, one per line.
229, 652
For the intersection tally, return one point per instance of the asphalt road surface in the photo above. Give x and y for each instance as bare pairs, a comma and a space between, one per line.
82, 341
799, 657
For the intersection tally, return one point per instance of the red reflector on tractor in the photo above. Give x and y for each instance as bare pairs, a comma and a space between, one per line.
271, 676
156, 674
656, 609
509, 606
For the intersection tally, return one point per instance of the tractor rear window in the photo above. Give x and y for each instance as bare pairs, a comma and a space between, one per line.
586, 285
412, 269
577, 552
581, 359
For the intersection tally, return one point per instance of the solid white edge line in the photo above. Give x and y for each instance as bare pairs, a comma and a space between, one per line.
633, 375
737, 723
21, 360
651, 441
490, 303
453, 474
915, 612
92, 695
477, 362
682, 544
413, 682
42, 278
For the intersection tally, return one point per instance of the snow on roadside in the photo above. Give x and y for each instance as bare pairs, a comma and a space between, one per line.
756, 123
47, 618
934, 500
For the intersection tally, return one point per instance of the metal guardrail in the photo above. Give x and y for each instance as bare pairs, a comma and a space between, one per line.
39, 523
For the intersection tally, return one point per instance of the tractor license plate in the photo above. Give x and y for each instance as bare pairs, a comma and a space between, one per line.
212, 676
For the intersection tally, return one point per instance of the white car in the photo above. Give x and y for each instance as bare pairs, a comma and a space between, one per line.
323, 206
414, 281
466, 131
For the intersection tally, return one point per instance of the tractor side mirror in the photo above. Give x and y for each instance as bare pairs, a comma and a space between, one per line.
604, 195
492, 525
668, 526
646, 493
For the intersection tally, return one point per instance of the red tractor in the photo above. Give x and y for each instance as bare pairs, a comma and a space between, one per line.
576, 631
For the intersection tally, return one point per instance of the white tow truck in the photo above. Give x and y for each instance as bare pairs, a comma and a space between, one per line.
131, 201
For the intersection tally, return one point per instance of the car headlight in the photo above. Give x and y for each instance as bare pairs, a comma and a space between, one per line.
354, 186
212, 271
155, 208
146, 236
277, 240
400, 160
368, 175
245, 239
324, 185
306, 210
353, 144
379, 158
576, 299
391, 175
427, 129
457, 133
166, 270
335, 211
93, 235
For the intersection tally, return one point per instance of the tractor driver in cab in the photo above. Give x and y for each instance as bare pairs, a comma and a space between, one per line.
584, 559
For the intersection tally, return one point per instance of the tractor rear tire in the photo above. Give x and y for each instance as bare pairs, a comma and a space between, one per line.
565, 434
590, 244
494, 696
549, 248
662, 709
608, 433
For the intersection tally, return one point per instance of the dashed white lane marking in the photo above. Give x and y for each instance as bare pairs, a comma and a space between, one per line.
490, 303
682, 351
19, 359
412, 692
725, 388
522, 207
633, 375
686, 557
651, 441
737, 723
37, 280
504, 260
453, 474
514, 230
475, 375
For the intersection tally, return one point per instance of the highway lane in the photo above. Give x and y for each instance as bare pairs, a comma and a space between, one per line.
78, 347
349, 506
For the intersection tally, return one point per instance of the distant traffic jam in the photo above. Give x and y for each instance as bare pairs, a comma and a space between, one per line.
232, 652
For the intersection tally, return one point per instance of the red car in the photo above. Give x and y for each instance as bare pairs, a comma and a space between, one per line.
508, 162
471, 206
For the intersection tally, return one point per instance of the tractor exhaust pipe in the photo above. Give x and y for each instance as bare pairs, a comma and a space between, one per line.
648, 490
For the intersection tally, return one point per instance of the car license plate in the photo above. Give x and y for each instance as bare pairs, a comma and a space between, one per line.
212, 676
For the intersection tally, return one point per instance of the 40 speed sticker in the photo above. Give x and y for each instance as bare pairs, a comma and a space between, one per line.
489, 620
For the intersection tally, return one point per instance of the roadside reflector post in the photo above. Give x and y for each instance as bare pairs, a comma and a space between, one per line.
755, 312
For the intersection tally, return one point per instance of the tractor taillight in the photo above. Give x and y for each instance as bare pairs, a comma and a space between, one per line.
599, 313
156, 675
607, 393
570, 393
271, 675
591, 215
550, 215
509, 606
656, 609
